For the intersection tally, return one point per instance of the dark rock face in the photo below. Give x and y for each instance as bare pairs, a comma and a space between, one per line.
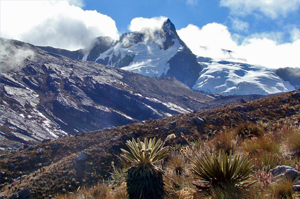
187, 74
24, 194
45, 96
286, 171
100, 45
183, 66
291, 75
78, 55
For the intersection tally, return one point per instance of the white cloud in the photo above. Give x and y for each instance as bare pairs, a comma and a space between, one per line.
270, 8
239, 25
267, 52
12, 57
140, 23
78, 3
295, 34
59, 23
207, 41
264, 49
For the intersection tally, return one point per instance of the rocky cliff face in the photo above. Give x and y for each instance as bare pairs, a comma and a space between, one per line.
154, 53
45, 95
161, 53
292, 75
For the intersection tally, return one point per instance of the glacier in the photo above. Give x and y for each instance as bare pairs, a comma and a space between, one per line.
238, 78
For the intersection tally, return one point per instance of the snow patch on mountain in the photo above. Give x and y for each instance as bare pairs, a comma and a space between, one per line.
151, 60
148, 56
235, 78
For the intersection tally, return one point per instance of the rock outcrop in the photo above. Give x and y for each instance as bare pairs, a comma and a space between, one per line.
45, 96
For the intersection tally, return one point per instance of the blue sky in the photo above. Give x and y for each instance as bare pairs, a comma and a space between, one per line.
263, 32
180, 12
197, 12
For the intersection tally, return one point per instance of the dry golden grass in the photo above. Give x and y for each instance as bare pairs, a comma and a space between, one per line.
265, 152
266, 132
293, 141
282, 189
99, 191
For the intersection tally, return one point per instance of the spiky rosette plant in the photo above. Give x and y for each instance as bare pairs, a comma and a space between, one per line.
221, 171
145, 180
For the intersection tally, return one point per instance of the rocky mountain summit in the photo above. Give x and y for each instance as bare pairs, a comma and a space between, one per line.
45, 95
154, 53
161, 53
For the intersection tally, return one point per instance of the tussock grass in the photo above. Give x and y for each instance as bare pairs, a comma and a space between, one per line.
266, 133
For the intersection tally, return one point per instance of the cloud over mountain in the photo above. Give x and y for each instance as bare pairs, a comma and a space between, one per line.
66, 24
61, 24
140, 23
264, 49
209, 40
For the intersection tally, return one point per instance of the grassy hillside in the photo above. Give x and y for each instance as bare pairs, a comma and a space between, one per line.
266, 130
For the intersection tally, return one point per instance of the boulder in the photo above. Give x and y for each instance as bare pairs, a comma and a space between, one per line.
81, 157
291, 174
25, 194
287, 171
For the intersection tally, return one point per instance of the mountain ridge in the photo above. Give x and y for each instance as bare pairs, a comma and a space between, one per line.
161, 53
46, 95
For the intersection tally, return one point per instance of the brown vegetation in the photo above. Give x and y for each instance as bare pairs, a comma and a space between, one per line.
265, 130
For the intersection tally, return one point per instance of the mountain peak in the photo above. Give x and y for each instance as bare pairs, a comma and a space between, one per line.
169, 32
168, 25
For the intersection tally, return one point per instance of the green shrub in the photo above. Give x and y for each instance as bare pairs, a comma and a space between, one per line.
144, 180
219, 171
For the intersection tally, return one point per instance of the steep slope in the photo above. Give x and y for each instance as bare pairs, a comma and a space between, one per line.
69, 163
45, 96
291, 75
154, 53
235, 78
161, 53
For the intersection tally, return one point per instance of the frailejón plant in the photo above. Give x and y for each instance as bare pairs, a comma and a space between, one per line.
219, 170
145, 180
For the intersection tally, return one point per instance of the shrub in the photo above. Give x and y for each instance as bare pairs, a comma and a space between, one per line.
144, 180
293, 142
259, 145
224, 141
248, 130
177, 163
219, 171
283, 189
